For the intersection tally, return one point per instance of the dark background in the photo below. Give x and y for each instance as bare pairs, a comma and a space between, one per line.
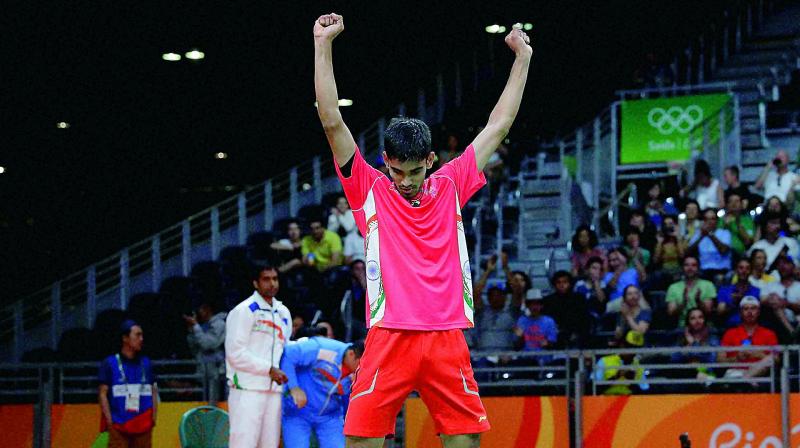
138, 155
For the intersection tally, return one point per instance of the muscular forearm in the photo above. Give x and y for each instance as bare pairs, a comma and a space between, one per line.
325, 84
507, 106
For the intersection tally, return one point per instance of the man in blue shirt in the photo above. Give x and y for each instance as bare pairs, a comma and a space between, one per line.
729, 296
128, 393
319, 379
713, 247
536, 330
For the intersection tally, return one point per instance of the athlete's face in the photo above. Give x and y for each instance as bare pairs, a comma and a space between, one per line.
409, 175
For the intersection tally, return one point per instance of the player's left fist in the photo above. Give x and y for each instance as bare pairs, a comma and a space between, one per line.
518, 41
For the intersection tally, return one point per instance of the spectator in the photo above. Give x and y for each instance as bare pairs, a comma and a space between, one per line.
639, 256
206, 341
584, 247
535, 330
707, 190
324, 329
656, 207
618, 278
356, 321
453, 150
593, 287
713, 247
670, 250
624, 366
697, 334
691, 292
747, 334
730, 296
739, 224
634, 315
690, 223
494, 324
298, 327
781, 300
780, 181
647, 231
731, 178
354, 247
774, 206
773, 244
288, 250
323, 248
518, 282
341, 220
569, 310
127, 392
758, 263
256, 333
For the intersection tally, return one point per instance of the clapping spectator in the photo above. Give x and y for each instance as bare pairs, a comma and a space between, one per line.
781, 300
638, 256
656, 207
618, 278
697, 334
713, 247
691, 292
584, 247
634, 314
730, 296
749, 333
670, 250
778, 181
569, 310
739, 224
690, 223
321, 249
773, 244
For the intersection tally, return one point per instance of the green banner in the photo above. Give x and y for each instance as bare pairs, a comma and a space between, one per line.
657, 130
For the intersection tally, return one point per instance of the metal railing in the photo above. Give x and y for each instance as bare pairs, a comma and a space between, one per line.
717, 138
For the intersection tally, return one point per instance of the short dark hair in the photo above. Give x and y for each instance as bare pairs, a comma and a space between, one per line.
592, 236
621, 250
702, 167
525, 277
692, 201
559, 275
706, 210
261, 268
407, 139
357, 347
632, 231
734, 169
593, 260
694, 257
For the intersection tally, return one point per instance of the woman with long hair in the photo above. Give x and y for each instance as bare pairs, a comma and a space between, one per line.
584, 247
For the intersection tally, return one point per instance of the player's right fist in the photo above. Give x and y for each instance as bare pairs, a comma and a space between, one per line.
329, 26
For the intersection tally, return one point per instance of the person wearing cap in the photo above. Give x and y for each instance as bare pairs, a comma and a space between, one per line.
319, 377
535, 330
610, 367
781, 300
128, 392
729, 296
747, 334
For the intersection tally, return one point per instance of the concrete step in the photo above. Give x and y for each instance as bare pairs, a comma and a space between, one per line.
536, 187
772, 44
538, 202
750, 124
749, 58
743, 72
757, 156
751, 139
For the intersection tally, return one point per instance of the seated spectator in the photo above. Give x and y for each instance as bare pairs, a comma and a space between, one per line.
690, 222
634, 314
691, 292
322, 249
584, 247
773, 244
618, 278
609, 368
535, 330
730, 296
569, 310
592, 287
656, 207
341, 220
706, 190
747, 334
778, 181
773, 207
670, 250
739, 224
206, 341
713, 247
356, 321
758, 264
299, 329
638, 256
353, 249
697, 334
324, 329
519, 283
288, 251
647, 231
780, 301
494, 325
731, 178
452, 151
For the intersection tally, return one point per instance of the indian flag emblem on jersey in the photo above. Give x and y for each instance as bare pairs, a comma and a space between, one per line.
466, 272
375, 291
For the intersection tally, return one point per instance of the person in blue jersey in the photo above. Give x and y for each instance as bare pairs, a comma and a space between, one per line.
127, 393
320, 372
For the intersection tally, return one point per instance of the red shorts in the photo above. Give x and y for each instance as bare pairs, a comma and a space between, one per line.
434, 363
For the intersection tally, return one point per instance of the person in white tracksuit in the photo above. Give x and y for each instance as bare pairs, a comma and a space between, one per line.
256, 332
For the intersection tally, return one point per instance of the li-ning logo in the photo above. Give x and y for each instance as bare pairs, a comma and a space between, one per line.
675, 119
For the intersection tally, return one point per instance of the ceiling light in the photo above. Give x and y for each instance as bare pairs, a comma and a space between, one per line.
527, 26
195, 55
2, 169
345, 102
492, 29
221, 155
62, 125
171, 57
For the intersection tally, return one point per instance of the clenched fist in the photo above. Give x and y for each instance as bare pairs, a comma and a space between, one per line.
519, 42
329, 26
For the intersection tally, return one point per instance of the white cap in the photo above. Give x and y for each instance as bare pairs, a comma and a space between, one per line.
534, 294
749, 300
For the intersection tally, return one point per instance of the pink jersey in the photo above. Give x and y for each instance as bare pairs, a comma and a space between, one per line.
418, 273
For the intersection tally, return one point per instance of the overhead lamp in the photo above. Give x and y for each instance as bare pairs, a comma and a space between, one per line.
221, 155
62, 125
195, 55
2, 169
493, 29
344, 102
171, 57
527, 26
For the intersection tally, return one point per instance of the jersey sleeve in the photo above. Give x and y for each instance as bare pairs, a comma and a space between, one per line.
357, 185
296, 356
464, 172
104, 374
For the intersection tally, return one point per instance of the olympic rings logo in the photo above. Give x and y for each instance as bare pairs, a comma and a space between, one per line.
675, 119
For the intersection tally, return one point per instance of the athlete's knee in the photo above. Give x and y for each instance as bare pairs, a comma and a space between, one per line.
461, 440
364, 442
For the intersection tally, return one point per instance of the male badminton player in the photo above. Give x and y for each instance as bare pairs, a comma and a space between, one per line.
419, 286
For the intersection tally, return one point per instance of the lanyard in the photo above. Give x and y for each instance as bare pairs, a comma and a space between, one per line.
122, 371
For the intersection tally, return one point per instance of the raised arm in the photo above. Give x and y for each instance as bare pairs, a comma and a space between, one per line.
326, 28
504, 112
